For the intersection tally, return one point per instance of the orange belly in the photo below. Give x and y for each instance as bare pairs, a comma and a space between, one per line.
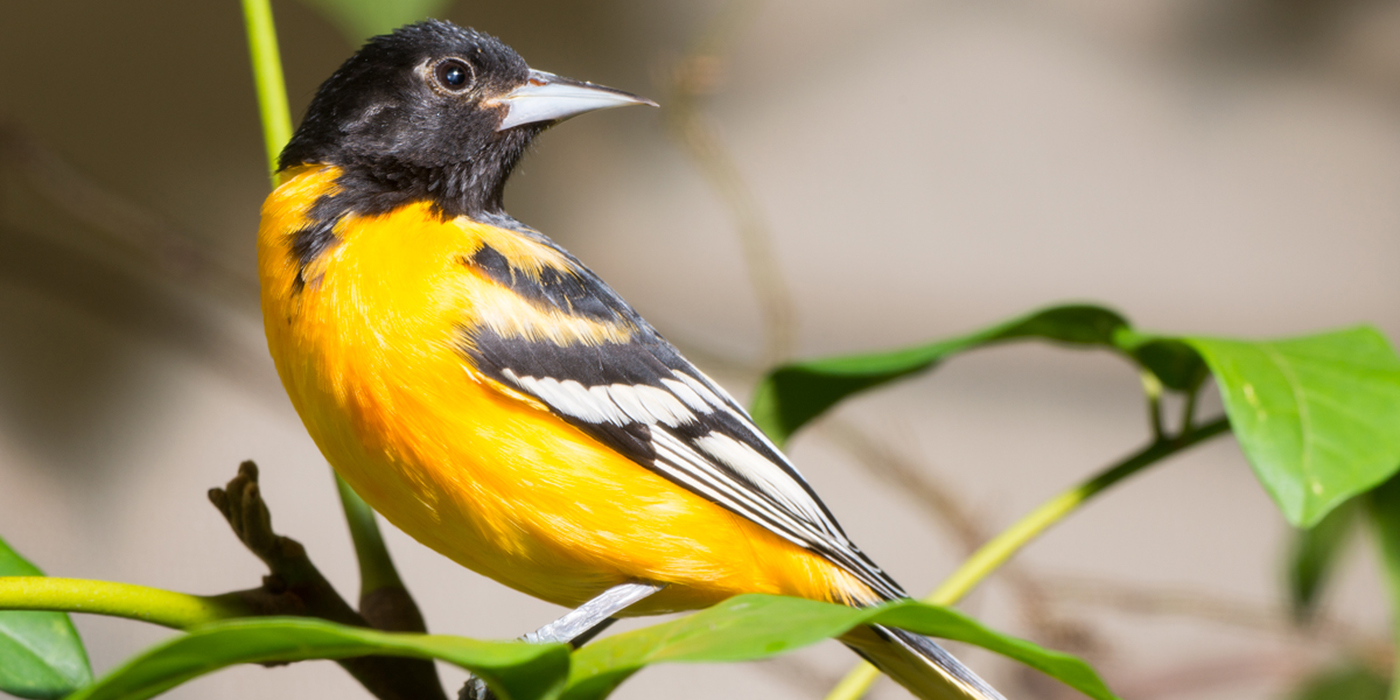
368, 352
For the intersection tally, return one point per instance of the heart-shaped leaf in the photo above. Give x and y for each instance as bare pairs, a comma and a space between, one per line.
1318, 416
41, 655
514, 670
759, 626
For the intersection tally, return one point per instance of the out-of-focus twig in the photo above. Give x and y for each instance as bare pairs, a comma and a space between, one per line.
939, 500
1185, 680
1211, 607
149, 238
686, 84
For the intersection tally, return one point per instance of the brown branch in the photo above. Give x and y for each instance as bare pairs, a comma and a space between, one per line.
296, 587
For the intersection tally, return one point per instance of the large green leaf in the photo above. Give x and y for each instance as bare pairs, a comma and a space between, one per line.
758, 626
1318, 416
792, 395
515, 670
41, 655
1314, 556
361, 19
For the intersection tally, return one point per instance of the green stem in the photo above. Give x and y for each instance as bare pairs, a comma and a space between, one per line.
993, 554
376, 567
1188, 410
267, 76
153, 605
1152, 387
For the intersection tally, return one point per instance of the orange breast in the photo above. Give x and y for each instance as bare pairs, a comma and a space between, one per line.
368, 350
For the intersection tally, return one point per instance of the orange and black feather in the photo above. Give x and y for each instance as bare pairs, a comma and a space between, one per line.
491, 396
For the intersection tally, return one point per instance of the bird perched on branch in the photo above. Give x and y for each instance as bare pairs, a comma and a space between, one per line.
492, 397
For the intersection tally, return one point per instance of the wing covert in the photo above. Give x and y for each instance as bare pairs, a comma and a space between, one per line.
643, 399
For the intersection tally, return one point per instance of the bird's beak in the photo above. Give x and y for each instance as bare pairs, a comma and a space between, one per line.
546, 97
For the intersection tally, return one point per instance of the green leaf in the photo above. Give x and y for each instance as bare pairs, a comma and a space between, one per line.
1351, 683
1173, 361
41, 655
515, 670
759, 626
1318, 416
792, 395
360, 19
1313, 556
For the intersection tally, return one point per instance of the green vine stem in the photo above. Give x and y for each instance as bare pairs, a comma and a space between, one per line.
267, 78
376, 568
1011, 540
159, 607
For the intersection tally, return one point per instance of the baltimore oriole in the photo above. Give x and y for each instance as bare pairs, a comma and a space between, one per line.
491, 396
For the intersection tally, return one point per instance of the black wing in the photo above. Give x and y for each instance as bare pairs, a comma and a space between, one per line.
643, 399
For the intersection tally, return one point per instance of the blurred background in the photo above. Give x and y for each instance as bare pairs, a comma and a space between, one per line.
823, 177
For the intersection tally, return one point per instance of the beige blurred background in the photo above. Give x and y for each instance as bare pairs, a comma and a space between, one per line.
917, 168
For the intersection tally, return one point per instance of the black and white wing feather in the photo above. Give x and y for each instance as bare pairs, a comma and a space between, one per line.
643, 399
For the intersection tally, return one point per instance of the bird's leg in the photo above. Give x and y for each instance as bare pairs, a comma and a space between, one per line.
576, 627
586, 621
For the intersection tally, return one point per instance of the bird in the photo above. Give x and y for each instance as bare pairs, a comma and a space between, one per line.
493, 398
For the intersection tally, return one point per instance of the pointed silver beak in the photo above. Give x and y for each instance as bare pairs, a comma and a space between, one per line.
546, 97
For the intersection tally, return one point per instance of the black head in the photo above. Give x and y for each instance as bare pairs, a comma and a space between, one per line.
435, 112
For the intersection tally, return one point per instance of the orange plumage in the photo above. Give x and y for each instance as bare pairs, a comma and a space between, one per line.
368, 350
494, 398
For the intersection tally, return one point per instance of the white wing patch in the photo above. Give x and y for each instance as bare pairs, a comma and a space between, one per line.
650, 405
618, 404
761, 472
698, 386
688, 395
571, 398
717, 465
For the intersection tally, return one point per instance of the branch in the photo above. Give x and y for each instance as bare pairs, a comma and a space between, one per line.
384, 600
296, 587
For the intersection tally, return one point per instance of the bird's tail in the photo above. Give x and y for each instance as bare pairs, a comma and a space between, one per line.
917, 663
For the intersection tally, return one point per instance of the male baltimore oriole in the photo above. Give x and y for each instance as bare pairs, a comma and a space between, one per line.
491, 396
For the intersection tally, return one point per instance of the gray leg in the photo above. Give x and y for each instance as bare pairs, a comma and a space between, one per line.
582, 623
575, 627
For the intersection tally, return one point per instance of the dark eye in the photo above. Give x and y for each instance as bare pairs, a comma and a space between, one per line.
453, 74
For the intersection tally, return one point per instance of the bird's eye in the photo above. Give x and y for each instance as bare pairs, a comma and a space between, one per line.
453, 74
